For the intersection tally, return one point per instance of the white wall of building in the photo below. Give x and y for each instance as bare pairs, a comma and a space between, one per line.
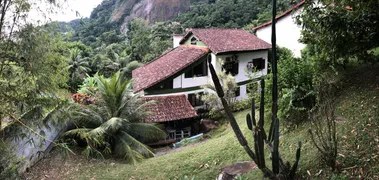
243, 59
287, 33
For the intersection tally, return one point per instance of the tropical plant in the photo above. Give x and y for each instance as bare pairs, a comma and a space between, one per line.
76, 64
229, 86
114, 123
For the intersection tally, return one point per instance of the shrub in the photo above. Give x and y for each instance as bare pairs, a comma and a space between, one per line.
324, 132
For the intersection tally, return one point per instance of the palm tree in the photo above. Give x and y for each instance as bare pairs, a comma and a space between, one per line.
77, 64
113, 124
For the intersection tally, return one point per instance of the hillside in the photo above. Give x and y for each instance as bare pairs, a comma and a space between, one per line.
358, 133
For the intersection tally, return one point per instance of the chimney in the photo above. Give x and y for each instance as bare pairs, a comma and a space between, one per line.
176, 38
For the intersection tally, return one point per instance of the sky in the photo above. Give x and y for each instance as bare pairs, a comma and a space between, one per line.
67, 11
84, 7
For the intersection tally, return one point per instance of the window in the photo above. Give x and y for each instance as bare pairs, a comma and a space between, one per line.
198, 71
257, 64
237, 92
193, 41
195, 99
231, 65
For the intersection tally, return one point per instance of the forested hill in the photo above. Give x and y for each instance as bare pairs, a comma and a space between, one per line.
120, 35
113, 16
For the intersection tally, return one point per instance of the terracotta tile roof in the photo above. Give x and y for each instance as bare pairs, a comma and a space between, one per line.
166, 66
169, 108
228, 40
285, 13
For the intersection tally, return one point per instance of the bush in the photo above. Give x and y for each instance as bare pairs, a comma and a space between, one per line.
295, 85
324, 132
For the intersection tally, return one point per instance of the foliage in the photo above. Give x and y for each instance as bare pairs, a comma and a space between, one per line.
30, 66
113, 124
229, 13
8, 162
210, 97
89, 86
342, 31
295, 85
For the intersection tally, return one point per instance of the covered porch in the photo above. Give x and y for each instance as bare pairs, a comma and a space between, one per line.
176, 114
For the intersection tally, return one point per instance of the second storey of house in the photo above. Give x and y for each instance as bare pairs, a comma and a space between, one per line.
184, 69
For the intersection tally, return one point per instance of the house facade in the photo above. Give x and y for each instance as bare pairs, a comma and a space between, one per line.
181, 72
289, 32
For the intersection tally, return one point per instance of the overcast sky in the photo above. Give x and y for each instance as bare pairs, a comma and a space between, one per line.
84, 7
66, 12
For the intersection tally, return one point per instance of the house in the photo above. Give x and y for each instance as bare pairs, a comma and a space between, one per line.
175, 79
288, 31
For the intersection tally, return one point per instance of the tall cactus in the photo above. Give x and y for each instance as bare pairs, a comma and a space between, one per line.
280, 170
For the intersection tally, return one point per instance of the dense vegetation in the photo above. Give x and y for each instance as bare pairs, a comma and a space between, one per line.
40, 64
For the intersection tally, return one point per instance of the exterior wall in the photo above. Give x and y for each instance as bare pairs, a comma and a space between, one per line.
199, 43
242, 76
243, 59
243, 95
287, 33
176, 40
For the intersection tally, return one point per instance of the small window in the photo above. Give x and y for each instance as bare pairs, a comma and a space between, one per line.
259, 64
193, 41
195, 99
237, 92
231, 66
197, 71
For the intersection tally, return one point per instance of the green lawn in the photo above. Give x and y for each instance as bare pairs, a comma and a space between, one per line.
358, 134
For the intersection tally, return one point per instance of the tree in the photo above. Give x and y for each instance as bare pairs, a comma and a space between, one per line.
76, 64
341, 30
113, 124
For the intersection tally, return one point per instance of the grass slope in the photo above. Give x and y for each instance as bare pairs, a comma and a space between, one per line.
358, 134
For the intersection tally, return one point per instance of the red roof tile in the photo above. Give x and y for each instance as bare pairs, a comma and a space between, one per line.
166, 66
285, 13
228, 40
169, 108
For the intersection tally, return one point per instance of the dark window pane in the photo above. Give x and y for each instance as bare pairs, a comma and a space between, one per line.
193, 41
230, 66
237, 92
259, 64
195, 99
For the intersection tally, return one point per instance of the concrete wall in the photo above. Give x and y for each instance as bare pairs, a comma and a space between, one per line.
287, 33
32, 147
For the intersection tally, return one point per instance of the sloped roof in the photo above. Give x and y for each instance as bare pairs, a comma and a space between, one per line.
169, 108
227, 40
166, 66
285, 13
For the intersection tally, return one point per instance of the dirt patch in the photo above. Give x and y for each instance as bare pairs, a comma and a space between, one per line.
55, 166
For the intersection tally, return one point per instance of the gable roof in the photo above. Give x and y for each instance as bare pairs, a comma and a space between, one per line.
169, 108
227, 40
285, 13
166, 66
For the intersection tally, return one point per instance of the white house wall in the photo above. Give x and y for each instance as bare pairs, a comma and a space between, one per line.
287, 33
243, 59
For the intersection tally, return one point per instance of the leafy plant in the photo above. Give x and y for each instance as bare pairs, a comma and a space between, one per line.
229, 87
113, 124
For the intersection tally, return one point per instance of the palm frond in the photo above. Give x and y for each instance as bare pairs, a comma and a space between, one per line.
145, 132
110, 127
131, 149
